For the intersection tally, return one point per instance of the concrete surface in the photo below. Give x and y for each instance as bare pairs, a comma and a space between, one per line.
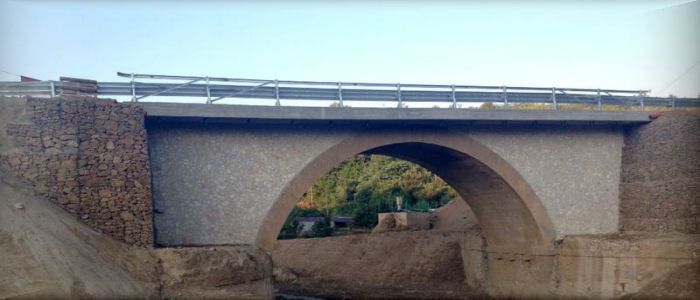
430, 115
527, 185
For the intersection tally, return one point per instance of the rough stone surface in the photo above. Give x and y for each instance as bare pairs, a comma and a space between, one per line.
628, 265
226, 178
215, 272
87, 155
660, 179
453, 264
682, 282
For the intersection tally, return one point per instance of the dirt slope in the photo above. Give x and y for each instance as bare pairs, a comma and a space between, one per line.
408, 264
47, 253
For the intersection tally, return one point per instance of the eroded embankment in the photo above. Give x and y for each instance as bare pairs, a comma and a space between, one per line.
430, 264
418, 264
450, 262
45, 253
75, 194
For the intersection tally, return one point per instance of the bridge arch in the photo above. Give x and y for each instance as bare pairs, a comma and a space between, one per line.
509, 212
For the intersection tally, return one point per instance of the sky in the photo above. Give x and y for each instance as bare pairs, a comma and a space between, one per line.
595, 44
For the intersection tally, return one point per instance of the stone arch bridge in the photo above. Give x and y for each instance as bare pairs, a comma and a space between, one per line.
231, 175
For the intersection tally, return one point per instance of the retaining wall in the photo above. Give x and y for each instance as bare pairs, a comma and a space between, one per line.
660, 177
87, 155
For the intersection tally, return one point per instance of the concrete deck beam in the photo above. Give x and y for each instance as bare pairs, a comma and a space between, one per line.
190, 111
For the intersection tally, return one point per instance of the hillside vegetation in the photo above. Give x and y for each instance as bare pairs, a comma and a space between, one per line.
365, 185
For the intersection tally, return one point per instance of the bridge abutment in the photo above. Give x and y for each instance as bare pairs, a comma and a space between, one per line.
87, 155
235, 184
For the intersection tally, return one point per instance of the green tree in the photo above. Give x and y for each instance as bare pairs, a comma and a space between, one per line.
322, 228
364, 185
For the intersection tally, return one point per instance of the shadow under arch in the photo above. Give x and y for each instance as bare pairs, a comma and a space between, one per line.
510, 214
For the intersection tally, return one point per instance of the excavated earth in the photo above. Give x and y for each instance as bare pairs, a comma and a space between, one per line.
45, 253
448, 262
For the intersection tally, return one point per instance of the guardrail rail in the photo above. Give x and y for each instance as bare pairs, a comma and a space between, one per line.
215, 89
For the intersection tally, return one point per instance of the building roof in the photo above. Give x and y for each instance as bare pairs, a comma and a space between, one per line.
317, 219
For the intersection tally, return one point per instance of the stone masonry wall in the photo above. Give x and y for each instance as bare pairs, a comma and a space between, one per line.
87, 155
660, 178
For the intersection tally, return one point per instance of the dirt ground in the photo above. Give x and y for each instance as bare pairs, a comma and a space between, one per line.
390, 264
446, 262
410, 264
46, 253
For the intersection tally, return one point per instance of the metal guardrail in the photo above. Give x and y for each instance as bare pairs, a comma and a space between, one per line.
214, 89
31, 88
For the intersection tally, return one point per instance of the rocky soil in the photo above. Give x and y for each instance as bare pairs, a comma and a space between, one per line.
396, 263
46, 253
410, 264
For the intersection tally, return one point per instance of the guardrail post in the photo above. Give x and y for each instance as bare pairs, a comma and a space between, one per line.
277, 93
340, 94
398, 95
53, 89
505, 98
133, 89
600, 102
641, 101
673, 103
554, 99
454, 97
208, 92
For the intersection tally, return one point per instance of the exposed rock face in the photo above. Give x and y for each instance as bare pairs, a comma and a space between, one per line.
660, 179
214, 272
87, 155
408, 264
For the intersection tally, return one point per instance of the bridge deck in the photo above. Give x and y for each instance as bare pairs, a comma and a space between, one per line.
189, 111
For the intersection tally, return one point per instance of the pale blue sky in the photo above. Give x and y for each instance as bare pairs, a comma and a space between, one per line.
627, 45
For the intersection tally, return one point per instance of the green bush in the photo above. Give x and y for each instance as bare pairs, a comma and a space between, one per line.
322, 228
